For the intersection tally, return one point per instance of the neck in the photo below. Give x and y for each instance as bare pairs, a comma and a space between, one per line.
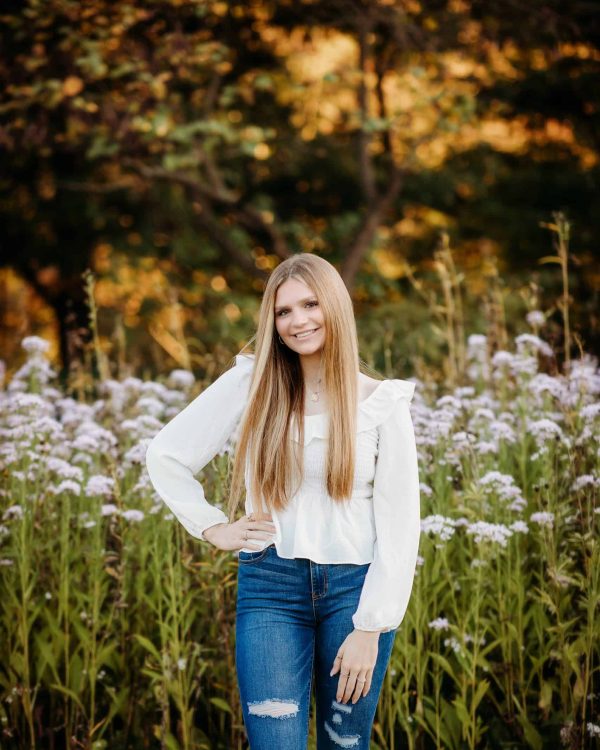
311, 366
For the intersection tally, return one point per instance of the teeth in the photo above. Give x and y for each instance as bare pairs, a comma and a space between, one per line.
305, 334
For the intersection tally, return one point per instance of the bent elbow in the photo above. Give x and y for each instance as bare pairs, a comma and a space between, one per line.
154, 457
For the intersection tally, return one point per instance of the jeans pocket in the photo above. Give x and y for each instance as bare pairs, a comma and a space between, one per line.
247, 558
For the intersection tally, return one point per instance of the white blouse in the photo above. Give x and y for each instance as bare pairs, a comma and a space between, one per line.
379, 524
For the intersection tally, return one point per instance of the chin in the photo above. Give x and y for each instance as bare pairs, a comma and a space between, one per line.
314, 347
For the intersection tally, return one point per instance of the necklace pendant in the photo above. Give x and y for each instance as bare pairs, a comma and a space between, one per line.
315, 397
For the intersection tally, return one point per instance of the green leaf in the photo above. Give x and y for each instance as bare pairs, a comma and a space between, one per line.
70, 693
148, 645
479, 693
223, 705
532, 736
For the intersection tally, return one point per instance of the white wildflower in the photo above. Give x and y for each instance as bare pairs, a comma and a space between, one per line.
535, 318
15, 511
31, 403
489, 532
182, 379
476, 346
133, 515
99, 485
502, 359
543, 519
132, 385
63, 469
454, 644
496, 479
503, 486
104, 439
137, 453
523, 365
590, 411
468, 638
438, 526
519, 527
143, 483
143, 426
593, 729
149, 405
543, 430
585, 480
486, 448
35, 345
529, 342
87, 443
543, 383
502, 431
68, 485
440, 623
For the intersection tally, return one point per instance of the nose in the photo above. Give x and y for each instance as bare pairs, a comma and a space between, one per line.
299, 319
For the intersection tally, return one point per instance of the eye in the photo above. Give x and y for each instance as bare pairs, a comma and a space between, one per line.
312, 303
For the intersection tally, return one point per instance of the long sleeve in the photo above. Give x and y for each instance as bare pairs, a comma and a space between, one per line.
396, 505
190, 441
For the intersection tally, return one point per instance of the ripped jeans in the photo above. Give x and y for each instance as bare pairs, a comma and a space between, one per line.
291, 618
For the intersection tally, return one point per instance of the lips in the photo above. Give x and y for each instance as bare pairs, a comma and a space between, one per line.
305, 334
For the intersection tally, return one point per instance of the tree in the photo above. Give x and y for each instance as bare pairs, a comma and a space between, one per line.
114, 108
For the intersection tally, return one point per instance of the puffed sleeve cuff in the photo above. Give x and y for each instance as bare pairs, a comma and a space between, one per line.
187, 443
396, 506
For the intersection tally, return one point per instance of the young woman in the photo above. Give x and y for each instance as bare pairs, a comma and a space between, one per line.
328, 546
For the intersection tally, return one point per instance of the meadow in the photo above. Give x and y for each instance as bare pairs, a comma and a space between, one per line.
117, 627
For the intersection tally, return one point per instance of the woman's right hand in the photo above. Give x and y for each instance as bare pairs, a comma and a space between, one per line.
243, 533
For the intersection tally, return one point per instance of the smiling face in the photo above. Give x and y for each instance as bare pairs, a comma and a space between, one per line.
298, 317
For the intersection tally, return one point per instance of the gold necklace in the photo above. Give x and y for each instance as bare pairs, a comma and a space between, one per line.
315, 394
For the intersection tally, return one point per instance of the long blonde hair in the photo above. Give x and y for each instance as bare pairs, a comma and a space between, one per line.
276, 395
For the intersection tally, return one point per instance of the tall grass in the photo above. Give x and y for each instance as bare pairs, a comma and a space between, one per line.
117, 627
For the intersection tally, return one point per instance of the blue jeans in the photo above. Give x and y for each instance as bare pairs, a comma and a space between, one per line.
291, 618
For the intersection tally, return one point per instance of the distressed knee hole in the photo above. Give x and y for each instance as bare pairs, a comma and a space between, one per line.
274, 708
350, 740
336, 718
341, 707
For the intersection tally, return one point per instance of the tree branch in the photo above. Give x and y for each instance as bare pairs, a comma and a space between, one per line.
371, 222
381, 67
221, 238
247, 215
367, 177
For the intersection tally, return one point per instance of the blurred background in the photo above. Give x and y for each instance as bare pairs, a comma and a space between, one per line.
178, 150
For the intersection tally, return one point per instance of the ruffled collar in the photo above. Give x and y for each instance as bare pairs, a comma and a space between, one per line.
372, 411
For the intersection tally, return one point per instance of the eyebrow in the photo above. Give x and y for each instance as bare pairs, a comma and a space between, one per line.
306, 299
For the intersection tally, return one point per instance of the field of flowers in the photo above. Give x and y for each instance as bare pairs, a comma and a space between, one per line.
117, 627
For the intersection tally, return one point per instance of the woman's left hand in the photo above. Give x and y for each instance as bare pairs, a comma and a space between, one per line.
355, 661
